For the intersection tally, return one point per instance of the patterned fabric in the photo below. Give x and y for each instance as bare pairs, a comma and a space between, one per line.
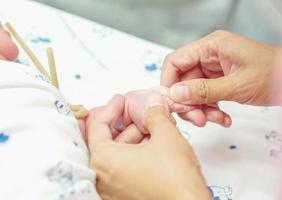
42, 154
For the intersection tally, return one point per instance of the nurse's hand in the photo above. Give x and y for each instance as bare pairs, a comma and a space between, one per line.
222, 66
164, 167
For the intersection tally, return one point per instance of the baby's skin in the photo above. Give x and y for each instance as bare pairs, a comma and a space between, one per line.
8, 49
135, 103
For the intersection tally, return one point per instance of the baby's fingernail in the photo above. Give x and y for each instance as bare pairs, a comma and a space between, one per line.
227, 122
179, 93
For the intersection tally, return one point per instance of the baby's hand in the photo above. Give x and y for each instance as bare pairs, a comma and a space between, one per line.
132, 107
8, 49
137, 102
134, 104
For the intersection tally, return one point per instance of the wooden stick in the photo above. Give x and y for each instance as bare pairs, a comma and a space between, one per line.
28, 51
79, 111
52, 66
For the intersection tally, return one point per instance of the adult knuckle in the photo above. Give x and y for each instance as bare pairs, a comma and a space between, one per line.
98, 155
93, 162
202, 91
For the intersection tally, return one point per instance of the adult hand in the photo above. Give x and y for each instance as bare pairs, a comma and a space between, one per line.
220, 66
164, 167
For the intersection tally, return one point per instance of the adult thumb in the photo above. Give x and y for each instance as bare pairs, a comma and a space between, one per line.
159, 123
203, 91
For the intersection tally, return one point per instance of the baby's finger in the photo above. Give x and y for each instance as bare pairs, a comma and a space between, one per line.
181, 108
131, 135
145, 139
227, 120
8, 48
197, 117
109, 114
100, 122
214, 114
115, 133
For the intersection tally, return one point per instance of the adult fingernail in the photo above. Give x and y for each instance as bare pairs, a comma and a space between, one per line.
179, 93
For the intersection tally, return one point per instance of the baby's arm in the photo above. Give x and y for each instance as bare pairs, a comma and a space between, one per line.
8, 49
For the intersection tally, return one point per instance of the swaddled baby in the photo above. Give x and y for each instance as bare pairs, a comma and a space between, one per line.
43, 154
42, 151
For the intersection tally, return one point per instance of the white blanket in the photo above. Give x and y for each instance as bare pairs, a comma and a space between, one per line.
42, 154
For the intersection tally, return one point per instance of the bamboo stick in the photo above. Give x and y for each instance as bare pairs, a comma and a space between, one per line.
52, 66
28, 51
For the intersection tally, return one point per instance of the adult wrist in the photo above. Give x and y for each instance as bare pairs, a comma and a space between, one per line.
192, 190
197, 194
